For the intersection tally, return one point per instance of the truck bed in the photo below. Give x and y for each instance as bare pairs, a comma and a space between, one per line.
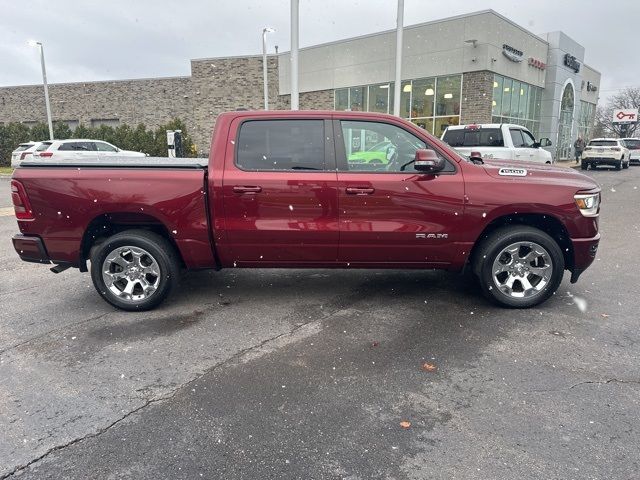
76, 200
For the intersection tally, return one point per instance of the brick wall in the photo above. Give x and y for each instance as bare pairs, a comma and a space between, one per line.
318, 100
477, 95
149, 101
224, 84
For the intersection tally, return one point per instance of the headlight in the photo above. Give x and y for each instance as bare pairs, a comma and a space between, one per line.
588, 203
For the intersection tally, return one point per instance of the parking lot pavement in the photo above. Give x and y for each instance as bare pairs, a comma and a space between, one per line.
308, 374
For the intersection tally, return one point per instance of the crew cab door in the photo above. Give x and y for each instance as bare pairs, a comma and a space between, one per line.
279, 192
521, 151
390, 213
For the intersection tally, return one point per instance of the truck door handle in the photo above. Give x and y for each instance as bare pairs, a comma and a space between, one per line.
246, 189
360, 190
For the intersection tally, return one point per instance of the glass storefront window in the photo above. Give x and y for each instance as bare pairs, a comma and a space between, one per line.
423, 92
341, 99
533, 98
405, 99
516, 102
448, 95
379, 98
431, 103
358, 99
442, 123
496, 104
515, 98
426, 123
524, 101
506, 97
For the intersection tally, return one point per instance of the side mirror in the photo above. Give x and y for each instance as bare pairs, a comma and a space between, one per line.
545, 142
428, 161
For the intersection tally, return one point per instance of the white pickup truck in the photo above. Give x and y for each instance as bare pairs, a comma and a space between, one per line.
498, 140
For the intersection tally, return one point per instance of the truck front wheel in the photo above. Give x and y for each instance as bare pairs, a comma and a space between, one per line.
519, 266
134, 270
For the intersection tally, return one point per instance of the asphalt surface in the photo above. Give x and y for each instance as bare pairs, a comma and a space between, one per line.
308, 374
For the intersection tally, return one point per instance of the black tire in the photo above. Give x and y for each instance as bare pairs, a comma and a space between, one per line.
625, 165
491, 250
619, 165
584, 166
156, 249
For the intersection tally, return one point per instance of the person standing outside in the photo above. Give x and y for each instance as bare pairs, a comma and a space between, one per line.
578, 148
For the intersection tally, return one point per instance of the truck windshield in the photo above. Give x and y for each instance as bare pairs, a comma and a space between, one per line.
483, 137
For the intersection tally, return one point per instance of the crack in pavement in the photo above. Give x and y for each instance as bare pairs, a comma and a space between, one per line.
588, 382
148, 402
610, 380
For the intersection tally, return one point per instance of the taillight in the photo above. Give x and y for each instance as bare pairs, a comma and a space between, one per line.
21, 204
45, 154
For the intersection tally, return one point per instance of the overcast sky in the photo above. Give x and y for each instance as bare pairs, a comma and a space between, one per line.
118, 39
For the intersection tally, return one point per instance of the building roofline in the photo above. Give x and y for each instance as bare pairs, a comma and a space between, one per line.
418, 25
231, 57
591, 68
93, 82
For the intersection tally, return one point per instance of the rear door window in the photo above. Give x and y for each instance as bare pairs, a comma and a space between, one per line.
77, 147
283, 145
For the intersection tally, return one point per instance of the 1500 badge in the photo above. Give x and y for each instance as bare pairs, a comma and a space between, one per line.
513, 172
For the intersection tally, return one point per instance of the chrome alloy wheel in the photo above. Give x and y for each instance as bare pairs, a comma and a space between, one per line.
131, 273
522, 269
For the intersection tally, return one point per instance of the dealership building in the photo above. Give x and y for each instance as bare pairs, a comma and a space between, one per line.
474, 68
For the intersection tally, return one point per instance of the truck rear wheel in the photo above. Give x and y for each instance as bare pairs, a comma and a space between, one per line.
519, 266
134, 270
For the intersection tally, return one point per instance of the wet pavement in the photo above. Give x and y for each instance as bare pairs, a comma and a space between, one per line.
309, 374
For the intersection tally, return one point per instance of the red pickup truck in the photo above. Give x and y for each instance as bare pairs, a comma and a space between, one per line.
279, 190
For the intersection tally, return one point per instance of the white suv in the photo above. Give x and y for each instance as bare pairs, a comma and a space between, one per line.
24, 150
605, 151
79, 149
633, 145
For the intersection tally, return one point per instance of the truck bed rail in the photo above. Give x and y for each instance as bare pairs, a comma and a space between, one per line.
119, 162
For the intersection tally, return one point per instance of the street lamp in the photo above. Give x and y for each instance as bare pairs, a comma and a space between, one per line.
33, 43
264, 65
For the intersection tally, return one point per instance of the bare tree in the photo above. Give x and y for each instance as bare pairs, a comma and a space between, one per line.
604, 126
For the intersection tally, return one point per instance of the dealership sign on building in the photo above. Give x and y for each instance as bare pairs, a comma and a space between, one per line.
625, 115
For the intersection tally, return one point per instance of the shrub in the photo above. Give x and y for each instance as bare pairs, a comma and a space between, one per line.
140, 138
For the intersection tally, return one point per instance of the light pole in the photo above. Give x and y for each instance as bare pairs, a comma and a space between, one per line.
396, 87
33, 43
265, 80
294, 54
